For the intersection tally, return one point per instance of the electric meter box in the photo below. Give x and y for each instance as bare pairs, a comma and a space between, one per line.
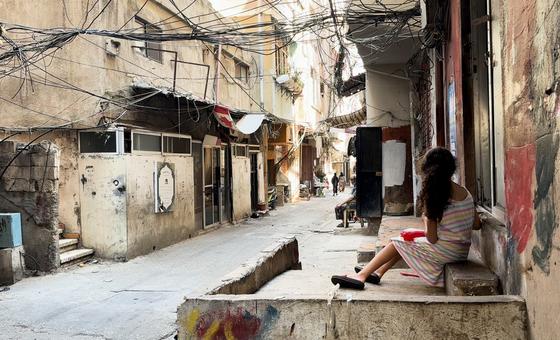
10, 230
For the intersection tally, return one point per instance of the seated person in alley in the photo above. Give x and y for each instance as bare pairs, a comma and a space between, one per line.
349, 203
449, 217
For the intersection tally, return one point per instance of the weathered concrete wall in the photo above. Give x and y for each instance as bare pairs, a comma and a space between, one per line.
252, 275
241, 187
103, 205
531, 101
397, 171
118, 204
68, 174
69, 179
387, 97
312, 317
148, 230
85, 64
30, 186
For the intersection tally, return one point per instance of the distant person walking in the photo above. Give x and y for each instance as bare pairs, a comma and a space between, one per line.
334, 182
341, 182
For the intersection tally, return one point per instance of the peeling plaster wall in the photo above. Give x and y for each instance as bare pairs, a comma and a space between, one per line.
387, 97
29, 186
241, 187
68, 174
531, 101
84, 63
147, 230
103, 205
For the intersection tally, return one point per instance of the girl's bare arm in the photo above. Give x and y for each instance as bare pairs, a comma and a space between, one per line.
431, 230
476, 224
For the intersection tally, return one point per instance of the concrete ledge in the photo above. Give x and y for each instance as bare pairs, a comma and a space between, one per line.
468, 278
389, 317
490, 245
366, 252
272, 261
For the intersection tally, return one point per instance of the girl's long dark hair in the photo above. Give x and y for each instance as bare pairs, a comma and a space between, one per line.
437, 169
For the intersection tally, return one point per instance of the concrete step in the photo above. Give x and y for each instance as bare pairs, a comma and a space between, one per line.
470, 279
67, 244
76, 255
366, 252
71, 235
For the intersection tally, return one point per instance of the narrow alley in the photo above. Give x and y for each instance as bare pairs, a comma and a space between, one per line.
138, 299
271, 169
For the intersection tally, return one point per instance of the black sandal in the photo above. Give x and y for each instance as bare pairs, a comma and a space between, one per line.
373, 278
347, 282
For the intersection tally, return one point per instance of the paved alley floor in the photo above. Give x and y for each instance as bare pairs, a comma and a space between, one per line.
138, 299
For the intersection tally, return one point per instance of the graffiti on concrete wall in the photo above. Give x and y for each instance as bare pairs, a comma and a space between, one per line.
545, 220
520, 165
227, 324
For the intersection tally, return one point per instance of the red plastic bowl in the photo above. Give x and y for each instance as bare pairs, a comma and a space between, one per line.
411, 234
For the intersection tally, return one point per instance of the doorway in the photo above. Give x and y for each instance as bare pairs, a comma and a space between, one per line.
217, 196
198, 184
254, 181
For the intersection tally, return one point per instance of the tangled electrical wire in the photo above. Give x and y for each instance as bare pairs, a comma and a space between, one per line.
339, 22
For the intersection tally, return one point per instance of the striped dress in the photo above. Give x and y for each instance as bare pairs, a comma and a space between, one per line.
454, 241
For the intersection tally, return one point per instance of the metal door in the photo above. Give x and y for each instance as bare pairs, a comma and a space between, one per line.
254, 181
215, 195
198, 184
369, 180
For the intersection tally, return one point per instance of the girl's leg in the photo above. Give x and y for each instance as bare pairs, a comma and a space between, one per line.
384, 268
387, 255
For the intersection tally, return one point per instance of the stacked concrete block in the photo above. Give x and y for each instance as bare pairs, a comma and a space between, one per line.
11, 265
470, 279
30, 186
35, 169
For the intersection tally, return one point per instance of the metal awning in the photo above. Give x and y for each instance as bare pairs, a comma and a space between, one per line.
347, 121
248, 124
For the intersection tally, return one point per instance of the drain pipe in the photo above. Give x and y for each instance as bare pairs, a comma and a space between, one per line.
261, 60
217, 74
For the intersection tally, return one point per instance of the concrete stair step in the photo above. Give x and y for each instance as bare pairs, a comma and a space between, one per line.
75, 255
470, 279
67, 244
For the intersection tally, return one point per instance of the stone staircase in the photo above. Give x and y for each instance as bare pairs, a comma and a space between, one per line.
70, 250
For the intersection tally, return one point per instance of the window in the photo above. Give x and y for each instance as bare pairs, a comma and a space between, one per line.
146, 142
151, 47
176, 144
242, 71
487, 119
98, 141
240, 150
281, 55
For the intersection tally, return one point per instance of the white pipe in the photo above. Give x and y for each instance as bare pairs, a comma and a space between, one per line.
261, 61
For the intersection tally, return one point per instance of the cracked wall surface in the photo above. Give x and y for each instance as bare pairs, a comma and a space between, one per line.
30, 186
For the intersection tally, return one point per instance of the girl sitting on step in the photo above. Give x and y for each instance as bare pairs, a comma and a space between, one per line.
449, 217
